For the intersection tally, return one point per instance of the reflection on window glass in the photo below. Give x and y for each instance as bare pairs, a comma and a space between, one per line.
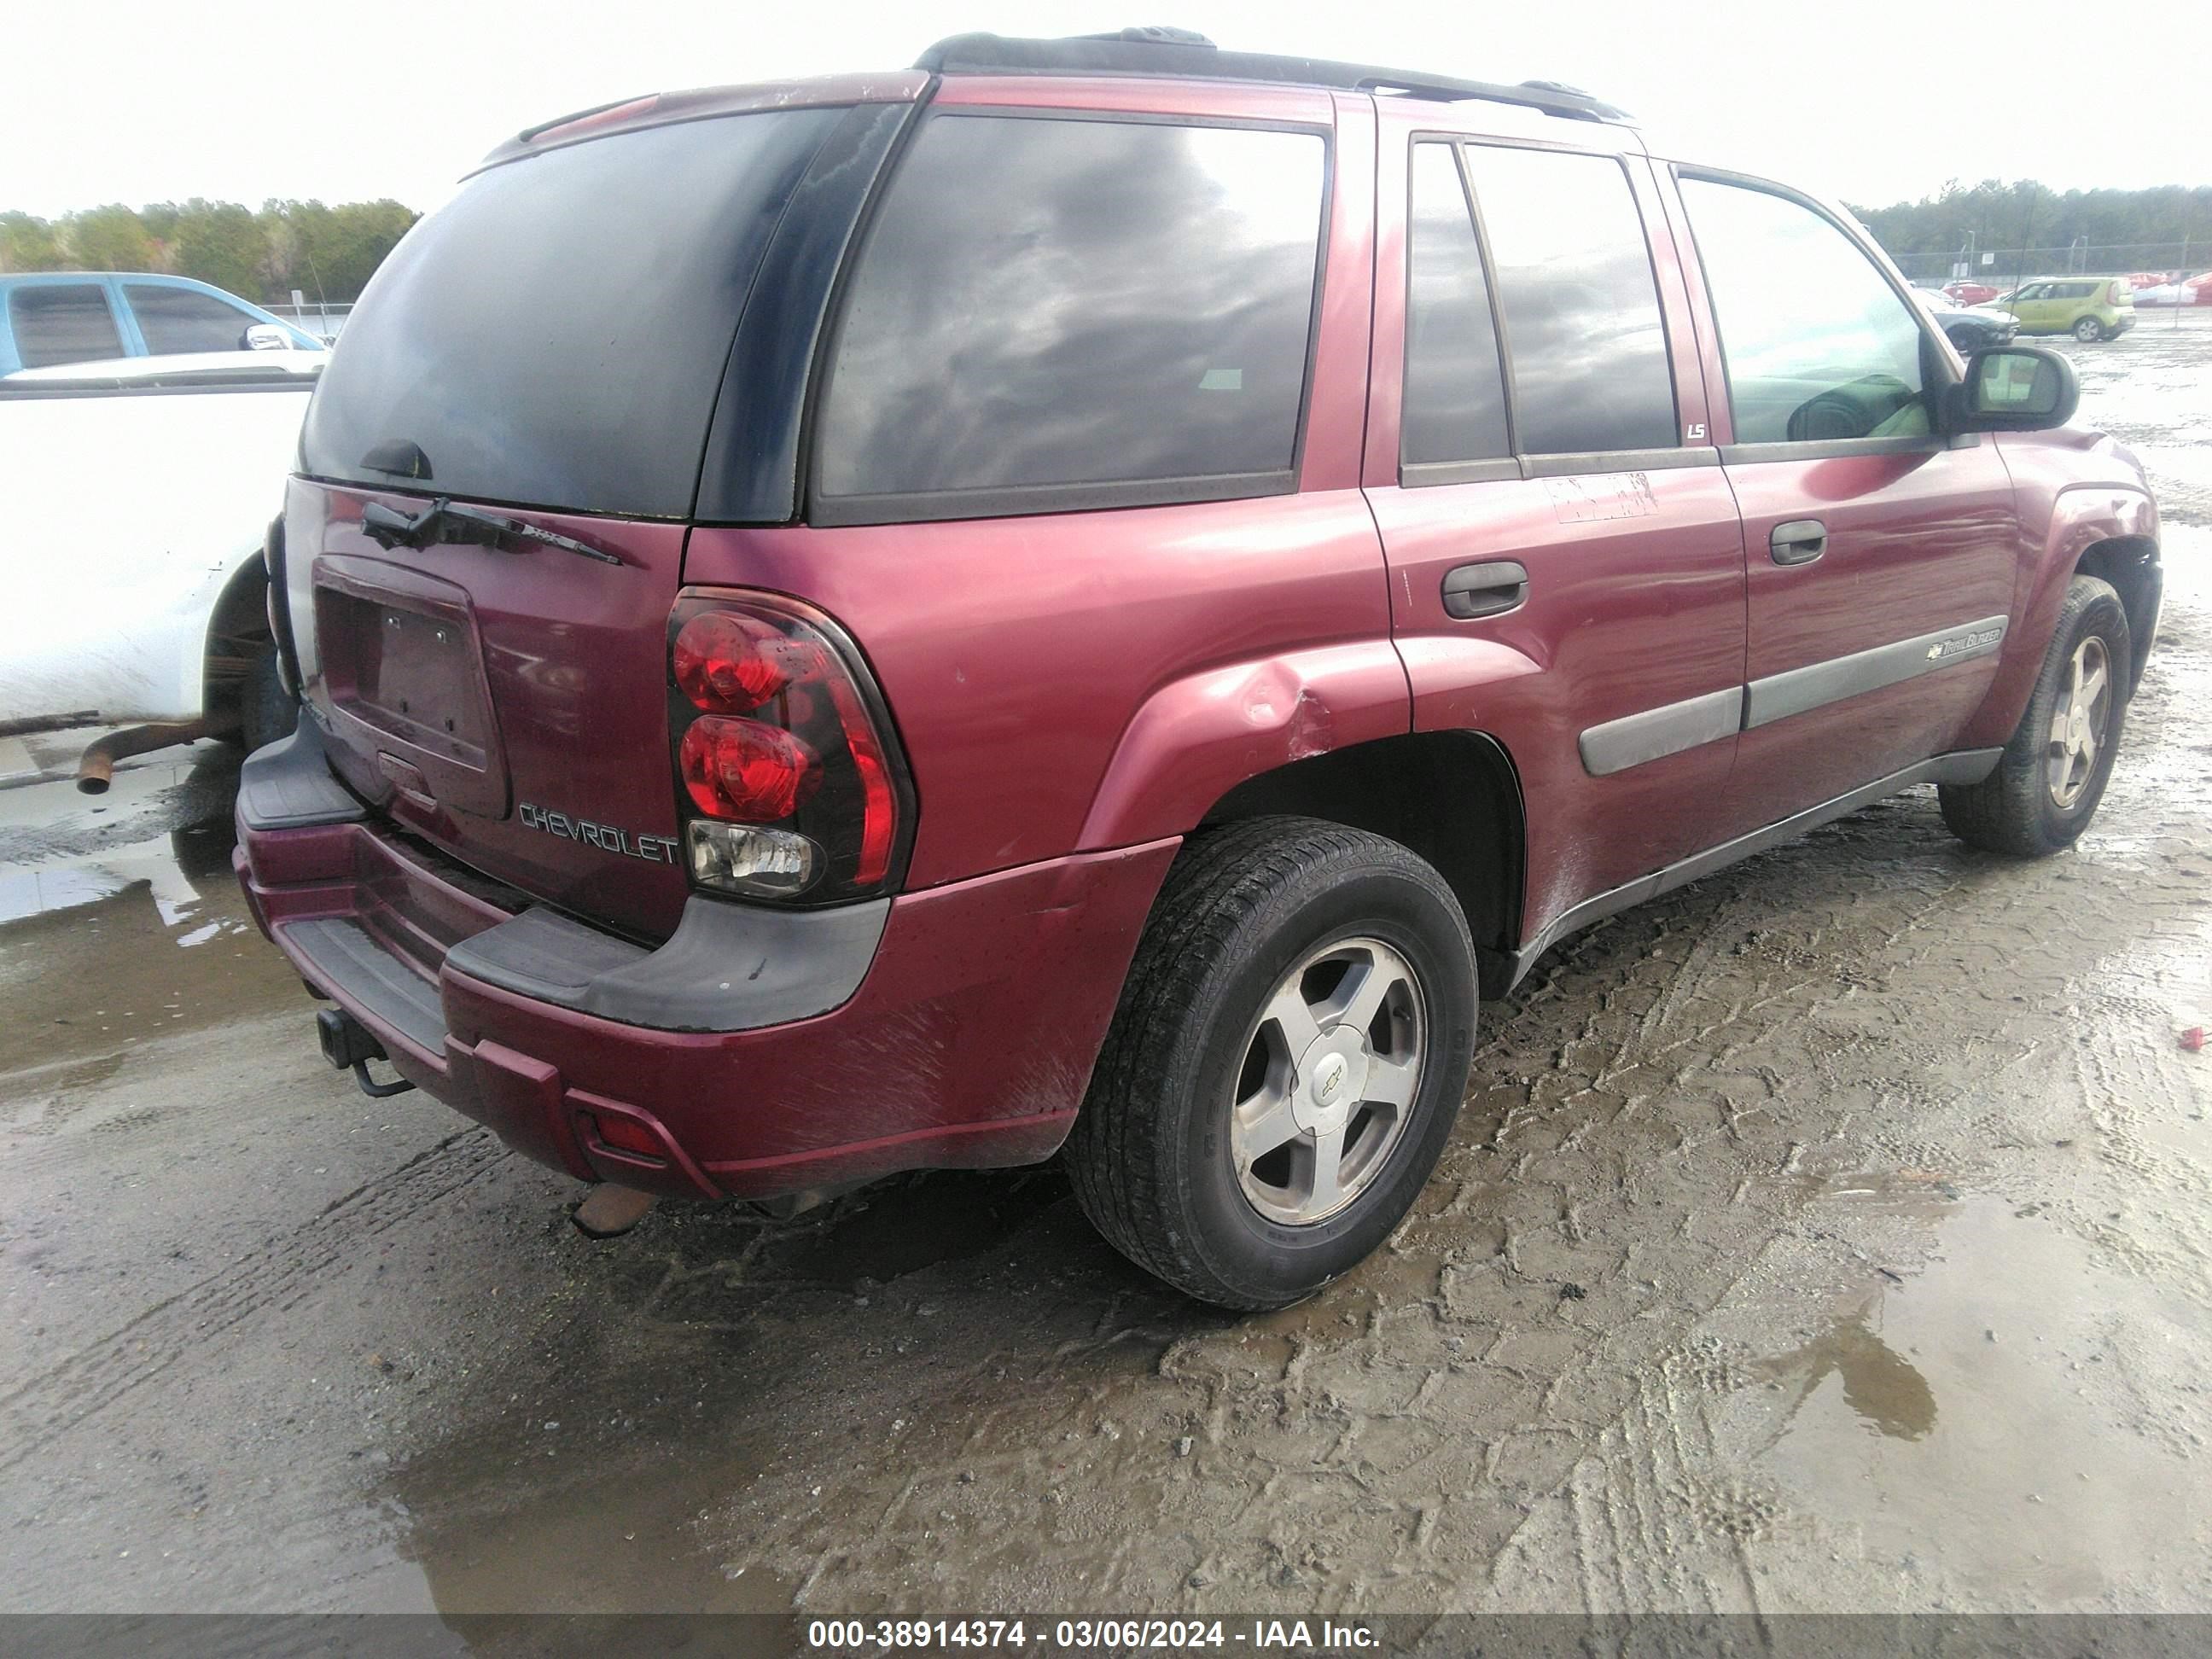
1069, 303
1582, 312
2010, 381
1818, 346
62, 322
1455, 397
176, 319
556, 334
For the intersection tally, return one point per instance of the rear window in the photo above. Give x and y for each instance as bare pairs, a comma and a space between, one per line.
175, 320
555, 335
1455, 399
62, 323
1059, 313
1582, 310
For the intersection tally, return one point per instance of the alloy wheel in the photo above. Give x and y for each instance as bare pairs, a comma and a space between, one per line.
2080, 722
1329, 1080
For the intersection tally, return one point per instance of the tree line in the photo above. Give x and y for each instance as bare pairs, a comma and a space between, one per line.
328, 254
2023, 214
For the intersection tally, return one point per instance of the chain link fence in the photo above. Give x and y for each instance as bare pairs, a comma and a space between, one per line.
2000, 268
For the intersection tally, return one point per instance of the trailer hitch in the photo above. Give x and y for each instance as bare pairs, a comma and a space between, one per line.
350, 1046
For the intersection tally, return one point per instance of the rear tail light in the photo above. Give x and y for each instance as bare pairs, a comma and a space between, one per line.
748, 770
2123, 292
789, 788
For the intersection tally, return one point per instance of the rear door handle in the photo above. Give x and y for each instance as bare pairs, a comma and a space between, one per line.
1489, 589
1801, 541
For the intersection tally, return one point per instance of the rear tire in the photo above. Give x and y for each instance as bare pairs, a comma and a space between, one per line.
267, 711
2046, 790
1220, 1150
2088, 330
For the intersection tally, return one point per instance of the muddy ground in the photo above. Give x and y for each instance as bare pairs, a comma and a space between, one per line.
1835, 1234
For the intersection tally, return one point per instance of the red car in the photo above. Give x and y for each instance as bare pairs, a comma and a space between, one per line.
1093, 597
1971, 294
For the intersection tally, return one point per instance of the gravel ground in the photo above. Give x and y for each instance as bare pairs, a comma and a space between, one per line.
1830, 1235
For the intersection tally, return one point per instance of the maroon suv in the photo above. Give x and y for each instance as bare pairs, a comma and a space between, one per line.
1085, 596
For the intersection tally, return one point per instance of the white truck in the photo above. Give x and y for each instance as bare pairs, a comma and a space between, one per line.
136, 497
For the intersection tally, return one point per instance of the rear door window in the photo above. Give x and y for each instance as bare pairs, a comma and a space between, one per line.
180, 319
1454, 407
1053, 314
555, 336
1582, 332
62, 322
1817, 345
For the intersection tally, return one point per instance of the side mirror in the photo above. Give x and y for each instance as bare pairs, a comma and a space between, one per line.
2015, 389
266, 336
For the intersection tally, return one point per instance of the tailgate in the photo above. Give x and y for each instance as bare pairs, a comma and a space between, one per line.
510, 707
547, 348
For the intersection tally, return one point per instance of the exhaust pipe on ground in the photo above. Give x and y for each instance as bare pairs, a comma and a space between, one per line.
95, 768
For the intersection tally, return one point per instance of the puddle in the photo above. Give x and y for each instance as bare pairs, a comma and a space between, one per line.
174, 869
37, 892
2008, 1411
105, 949
625, 1536
1887, 1392
608, 1486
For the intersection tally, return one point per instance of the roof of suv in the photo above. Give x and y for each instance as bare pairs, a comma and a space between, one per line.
1137, 53
1166, 52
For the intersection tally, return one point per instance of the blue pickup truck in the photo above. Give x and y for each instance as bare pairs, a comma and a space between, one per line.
84, 316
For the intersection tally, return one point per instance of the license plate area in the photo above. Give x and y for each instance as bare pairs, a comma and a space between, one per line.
403, 673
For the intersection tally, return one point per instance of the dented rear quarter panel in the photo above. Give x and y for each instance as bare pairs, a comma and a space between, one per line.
1146, 660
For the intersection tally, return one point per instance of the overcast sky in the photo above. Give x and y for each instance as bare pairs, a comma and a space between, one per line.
136, 101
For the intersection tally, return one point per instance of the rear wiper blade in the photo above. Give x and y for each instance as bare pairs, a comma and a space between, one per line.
442, 521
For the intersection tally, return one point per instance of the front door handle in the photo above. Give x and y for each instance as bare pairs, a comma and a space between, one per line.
1489, 589
1801, 541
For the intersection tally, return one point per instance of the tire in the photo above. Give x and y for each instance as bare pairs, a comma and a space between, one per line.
2088, 330
267, 711
1200, 1192
2032, 805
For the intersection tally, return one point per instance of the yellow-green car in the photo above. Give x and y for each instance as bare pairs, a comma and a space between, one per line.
2087, 307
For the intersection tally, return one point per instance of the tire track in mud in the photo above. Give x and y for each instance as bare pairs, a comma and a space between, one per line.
1650, 1522
1666, 1102
270, 1277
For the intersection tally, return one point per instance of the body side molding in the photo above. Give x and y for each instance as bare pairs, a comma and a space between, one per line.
1657, 733
1794, 691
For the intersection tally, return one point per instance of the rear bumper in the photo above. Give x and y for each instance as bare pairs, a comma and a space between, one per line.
965, 1036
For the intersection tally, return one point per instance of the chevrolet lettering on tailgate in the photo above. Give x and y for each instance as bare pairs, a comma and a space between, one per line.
653, 849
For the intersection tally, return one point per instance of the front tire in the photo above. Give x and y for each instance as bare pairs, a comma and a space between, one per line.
1287, 1063
2046, 788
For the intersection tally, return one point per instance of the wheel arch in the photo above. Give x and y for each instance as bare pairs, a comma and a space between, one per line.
2101, 530
1453, 798
2131, 564
237, 632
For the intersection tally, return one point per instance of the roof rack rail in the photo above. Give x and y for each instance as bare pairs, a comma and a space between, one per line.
1161, 50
